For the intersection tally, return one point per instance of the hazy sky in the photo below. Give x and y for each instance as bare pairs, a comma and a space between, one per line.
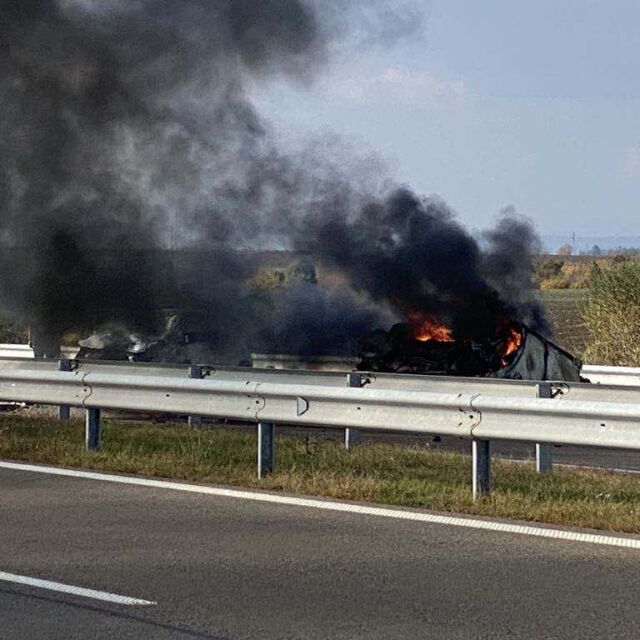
499, 102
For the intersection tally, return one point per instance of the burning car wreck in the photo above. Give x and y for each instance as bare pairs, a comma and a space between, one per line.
431, 349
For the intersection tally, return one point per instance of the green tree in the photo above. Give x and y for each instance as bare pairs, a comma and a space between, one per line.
549, 268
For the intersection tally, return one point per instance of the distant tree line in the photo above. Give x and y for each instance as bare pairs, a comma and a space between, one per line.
595, 251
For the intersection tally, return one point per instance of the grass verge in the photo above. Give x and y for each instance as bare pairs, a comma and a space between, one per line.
382, 473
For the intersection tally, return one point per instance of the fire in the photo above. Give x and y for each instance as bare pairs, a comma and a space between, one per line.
509, 335
426, 328
511, 344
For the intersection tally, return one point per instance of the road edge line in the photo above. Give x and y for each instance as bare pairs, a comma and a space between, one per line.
331, 505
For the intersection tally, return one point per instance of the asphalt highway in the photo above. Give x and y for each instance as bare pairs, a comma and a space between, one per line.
225, 568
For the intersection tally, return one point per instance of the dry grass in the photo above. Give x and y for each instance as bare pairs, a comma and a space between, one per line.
612, 315
391, 474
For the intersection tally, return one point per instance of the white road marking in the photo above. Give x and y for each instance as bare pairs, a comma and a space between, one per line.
345, 507
74, 591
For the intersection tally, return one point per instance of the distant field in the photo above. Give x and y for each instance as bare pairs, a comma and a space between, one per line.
565, 311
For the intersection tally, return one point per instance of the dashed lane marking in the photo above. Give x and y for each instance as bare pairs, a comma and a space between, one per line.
105, 596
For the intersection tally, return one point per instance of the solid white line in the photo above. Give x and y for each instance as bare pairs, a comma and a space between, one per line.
74, 591
329, 505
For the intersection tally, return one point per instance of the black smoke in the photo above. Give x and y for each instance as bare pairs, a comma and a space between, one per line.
410, 254
136, 176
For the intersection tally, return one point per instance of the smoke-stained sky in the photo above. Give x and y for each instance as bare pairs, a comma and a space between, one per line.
532, 104
129, 130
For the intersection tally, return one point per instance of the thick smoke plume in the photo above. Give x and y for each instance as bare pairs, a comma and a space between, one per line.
411, 254
137, 177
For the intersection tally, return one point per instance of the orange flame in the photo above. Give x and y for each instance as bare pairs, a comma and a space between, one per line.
426, 328
511, 344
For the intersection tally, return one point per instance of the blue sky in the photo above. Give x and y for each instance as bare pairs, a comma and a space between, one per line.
496, 103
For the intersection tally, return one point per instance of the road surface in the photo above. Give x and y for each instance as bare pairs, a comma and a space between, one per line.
225, 568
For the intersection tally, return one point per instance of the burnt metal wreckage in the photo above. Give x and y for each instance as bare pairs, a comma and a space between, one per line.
535, 358
401, 349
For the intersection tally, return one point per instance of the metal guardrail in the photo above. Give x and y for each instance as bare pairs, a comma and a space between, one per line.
597, 374
471, 415
373, 380
601, 374
16, 351
480, 410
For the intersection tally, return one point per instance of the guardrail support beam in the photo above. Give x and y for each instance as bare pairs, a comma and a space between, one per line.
266, 449
351, 436
195, 373
481, 468
92, 429
64, 411
544, 458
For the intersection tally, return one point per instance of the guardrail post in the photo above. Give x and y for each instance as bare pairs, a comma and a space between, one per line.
92, 429
195, 372
64, 411
351, 436
266, 432
481, 467
544, 460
